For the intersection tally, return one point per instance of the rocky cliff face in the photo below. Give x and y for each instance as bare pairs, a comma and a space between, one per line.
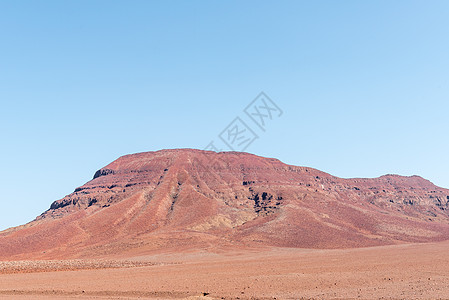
192, 198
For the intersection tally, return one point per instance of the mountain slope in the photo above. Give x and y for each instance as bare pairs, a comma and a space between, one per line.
180, 199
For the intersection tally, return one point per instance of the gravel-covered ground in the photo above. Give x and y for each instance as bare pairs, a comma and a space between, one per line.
408, 271
8, 267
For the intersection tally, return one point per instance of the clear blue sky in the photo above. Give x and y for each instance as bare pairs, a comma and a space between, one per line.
363, 85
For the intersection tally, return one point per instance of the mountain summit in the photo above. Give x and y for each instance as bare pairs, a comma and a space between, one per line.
185, 198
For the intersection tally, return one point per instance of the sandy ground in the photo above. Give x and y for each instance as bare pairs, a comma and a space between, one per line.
413, 271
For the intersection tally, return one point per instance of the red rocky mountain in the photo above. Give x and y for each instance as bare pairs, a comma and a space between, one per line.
182, 199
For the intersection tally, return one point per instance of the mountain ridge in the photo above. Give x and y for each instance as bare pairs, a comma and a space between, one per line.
183, 198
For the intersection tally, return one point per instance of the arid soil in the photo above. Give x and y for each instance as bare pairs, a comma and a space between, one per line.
408, 271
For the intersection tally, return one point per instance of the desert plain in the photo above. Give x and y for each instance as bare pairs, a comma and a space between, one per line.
407, 271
